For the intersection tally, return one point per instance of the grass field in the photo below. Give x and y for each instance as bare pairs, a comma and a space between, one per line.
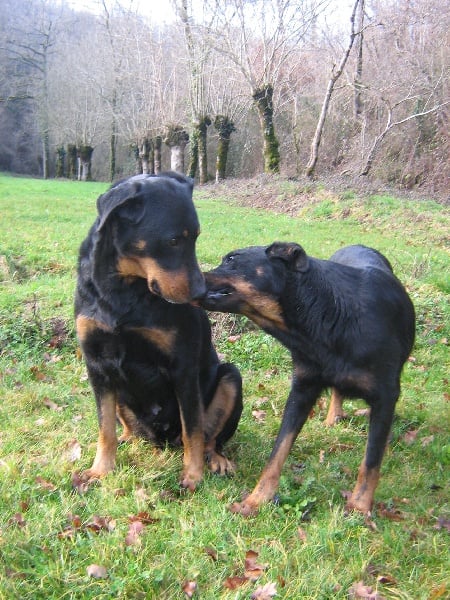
136, 535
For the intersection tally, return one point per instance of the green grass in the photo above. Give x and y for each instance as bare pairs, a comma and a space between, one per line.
47, 536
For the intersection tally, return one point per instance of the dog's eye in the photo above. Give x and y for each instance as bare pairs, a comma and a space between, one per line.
173, 242
228, 259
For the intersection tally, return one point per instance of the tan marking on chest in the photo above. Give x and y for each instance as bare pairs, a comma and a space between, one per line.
164, 339
85, 326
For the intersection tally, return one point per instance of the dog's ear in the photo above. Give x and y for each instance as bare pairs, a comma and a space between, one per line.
125, 194
292, 254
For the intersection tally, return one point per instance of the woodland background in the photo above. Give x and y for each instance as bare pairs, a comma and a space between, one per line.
229, 88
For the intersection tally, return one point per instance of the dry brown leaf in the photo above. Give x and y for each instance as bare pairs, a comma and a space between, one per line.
73, 451
410, 436
259, 415
264, 592
253, 570
189, 588
302, 534
97, 571
135, 529
45, 485
439, 592
211, 552
52, 405
359, 590
17, 519
232, 583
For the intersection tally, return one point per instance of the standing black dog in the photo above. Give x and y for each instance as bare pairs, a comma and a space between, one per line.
348, 323
149, 355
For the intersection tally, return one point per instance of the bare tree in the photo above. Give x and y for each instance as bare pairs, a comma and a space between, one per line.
391, 124
335, 75
259, 38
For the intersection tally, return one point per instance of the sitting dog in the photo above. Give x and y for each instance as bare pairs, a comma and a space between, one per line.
348, 323
148, 351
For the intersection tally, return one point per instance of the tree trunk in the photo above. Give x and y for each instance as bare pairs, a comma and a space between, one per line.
263, 99
225, 128
112, 150
45, 155
144, 155
85, 156
193, 163
72, 161
176, 139
315, 144
157, 160
203, 149
60, 160
359, 63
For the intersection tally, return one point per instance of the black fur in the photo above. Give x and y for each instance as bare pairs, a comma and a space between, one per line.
148, 351
349, 325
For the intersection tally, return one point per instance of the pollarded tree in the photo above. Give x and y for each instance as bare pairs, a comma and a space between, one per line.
176, 138
259, 38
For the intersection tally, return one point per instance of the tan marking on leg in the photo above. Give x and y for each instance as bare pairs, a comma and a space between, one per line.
85, 326
268, 482
335, 410
216, 416
128, 421
363, 493
193, 458
105, 457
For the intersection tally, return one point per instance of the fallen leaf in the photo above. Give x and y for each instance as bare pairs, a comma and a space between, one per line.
362, 412
211, 552
52, 405
321, 456
45, 485
259, 415
234, 338
97, 524
189, 588
427, 440
80, 484
97, 572
134, 531
443, 523
302, 534
359, 590
264, 592
73, 451
410, 436
391, 513
17, 519
232, 583
253, 570
386, 579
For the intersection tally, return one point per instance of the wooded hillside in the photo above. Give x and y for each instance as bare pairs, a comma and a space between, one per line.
233, 88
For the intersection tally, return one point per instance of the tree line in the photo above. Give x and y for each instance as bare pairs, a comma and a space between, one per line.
229, 88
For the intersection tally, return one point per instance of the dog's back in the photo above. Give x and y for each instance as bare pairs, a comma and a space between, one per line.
362, 257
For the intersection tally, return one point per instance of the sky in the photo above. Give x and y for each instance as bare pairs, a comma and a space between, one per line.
156, 10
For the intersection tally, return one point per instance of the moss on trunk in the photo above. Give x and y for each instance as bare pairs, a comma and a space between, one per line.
263, 98
225, 127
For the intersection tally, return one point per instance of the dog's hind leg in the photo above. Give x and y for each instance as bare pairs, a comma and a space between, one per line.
298, 406
105, 458
335, 410
222, 418
381, 417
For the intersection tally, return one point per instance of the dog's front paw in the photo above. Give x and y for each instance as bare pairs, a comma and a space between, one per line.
246, 509
189, 481
219, 464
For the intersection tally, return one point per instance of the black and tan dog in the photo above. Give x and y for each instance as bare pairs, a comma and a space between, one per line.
348, 323
149, 355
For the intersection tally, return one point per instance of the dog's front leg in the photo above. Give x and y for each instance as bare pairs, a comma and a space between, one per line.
298, 406
105, 458
193, 437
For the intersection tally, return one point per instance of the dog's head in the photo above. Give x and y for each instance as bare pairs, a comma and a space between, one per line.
153, 226
251, 281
